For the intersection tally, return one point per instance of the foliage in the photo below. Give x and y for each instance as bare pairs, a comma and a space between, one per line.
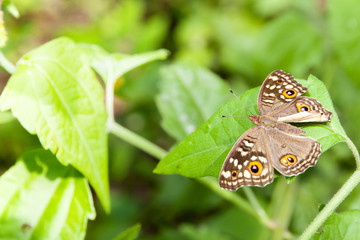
76, 55
31, 190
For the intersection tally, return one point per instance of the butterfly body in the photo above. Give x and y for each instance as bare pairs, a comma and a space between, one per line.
273, 143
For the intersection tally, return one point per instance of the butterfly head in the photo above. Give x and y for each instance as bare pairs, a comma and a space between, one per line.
255, 119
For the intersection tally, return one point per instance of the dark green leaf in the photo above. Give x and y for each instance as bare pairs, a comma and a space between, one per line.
203, 152
130, 233
188, 97
202, 233
42, 199
55, 94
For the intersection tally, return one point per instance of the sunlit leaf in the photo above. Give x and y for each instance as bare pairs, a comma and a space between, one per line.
11, 8
188, 97
55, 94
42, 199
202, 153
113, 66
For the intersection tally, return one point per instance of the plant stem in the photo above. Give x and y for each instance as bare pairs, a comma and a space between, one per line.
231, 197
348, 186
355, 152
282, 205
137, 140
6, 64
257, 212
258, 208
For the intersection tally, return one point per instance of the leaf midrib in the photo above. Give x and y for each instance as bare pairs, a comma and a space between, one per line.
73, 119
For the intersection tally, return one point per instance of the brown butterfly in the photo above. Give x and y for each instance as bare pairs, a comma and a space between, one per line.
274, 143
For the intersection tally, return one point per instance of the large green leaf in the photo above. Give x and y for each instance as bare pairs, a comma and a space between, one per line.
188, 97
203, 152
55, 94
42, 199
344, 226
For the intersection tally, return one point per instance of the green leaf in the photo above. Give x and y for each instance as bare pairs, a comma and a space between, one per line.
202, 233
130, 233
343, 226
11, 8
344, 31
202, 153
188, 96
55, 94
42, 199
112, 66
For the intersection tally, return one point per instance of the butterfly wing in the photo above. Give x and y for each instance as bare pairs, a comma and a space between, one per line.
277, 92
291, 154
247, 164
304, 109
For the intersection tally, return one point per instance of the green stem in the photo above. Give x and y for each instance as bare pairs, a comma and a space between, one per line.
349, 185
6, 64
282, 205
355, 152
136, 140
230, 196
258, 208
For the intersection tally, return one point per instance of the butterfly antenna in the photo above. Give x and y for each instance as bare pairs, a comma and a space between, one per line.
240, 101
223, 116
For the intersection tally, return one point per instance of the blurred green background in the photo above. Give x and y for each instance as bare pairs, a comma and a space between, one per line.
241, 41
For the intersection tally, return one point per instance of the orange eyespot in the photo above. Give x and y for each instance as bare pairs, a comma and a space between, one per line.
288, 160
280, 81
290, 93
234, 173
301, 107
255, 167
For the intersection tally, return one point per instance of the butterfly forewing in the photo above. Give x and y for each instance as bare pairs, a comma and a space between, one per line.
247, 164
278, 90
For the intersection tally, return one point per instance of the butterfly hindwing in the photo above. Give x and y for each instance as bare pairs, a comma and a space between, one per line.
290, 154
247, 164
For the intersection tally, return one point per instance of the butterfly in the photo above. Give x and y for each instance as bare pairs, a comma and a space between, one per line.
273, 143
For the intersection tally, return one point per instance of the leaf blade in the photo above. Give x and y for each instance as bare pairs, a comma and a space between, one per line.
55, 95
113, 66
188, 96
41, 199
